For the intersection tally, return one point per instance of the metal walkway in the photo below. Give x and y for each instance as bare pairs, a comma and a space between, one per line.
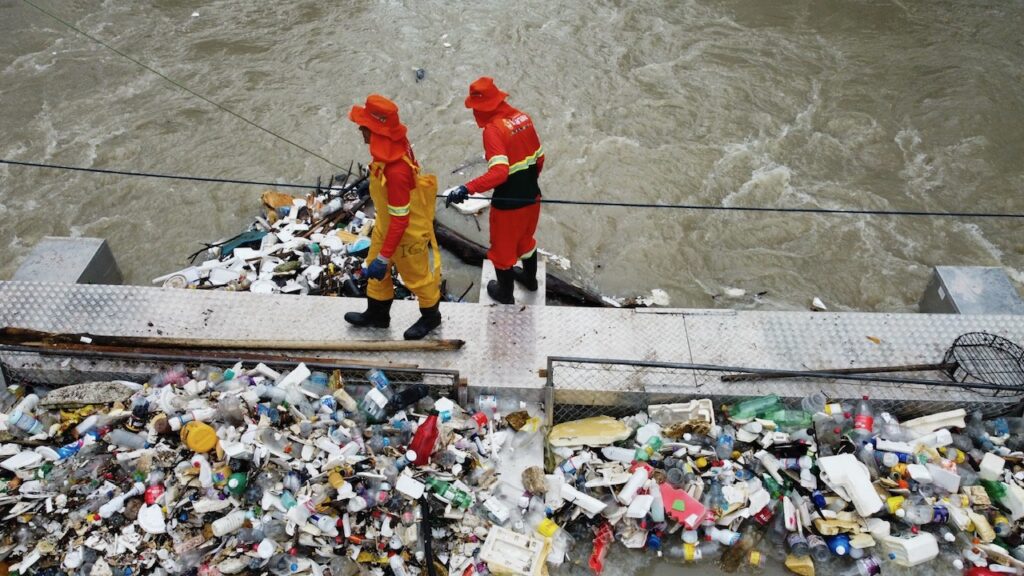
507, 346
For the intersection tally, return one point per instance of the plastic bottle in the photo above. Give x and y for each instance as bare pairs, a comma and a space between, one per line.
818, 549
397, 565
570, 466
125, 439
449, 493
649, 449
839, 544
24, 422
425, 439
721, 535
305, 508
377, 398
863, 420
176, 375
641, 474
725, 442
229, 524
409, 457
658, 506
790, 419
752, 407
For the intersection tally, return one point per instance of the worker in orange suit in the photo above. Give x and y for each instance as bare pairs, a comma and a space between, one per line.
515, 159
403, 234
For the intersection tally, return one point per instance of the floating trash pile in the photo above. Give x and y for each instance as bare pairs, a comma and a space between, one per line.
314, 244
248, 470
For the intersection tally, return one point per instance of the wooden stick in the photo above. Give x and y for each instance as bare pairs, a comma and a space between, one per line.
230, 355
864, 370
32, 337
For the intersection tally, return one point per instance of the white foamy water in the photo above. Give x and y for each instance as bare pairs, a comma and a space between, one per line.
866, 104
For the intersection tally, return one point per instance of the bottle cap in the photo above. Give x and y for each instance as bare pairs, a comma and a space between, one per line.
199, 436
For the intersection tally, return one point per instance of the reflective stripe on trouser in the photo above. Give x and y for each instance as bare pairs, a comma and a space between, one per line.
512, 235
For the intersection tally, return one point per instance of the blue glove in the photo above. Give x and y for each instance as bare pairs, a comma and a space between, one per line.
456, 195
378, 268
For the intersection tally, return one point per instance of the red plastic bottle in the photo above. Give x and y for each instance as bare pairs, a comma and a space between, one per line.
425, 439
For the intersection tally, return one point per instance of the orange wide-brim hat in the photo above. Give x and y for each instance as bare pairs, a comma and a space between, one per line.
484, 96
379, 116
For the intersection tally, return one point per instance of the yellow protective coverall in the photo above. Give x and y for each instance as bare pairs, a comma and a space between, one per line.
413, 255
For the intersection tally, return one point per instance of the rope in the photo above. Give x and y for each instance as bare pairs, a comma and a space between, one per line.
829, 211
181, 86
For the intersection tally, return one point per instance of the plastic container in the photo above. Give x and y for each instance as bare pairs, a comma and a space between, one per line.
425, 439
125, 439
24, 422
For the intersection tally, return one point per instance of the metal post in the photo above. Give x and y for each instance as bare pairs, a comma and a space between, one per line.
549, 394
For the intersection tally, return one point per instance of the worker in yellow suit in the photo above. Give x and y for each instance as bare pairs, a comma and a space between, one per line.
403, 235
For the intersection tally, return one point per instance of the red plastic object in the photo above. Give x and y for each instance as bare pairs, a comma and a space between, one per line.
602, 539
424, 440
153, 492
980, 571
682, 507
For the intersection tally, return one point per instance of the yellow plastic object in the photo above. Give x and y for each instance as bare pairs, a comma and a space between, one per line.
547, 528
596, 431
275, 200
199, 437
802, 565
346, 236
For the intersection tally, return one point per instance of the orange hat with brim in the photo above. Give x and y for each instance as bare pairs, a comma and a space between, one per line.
379, 116
484, 96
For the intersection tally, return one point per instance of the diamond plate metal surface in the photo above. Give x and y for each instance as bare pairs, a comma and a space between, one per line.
506, 346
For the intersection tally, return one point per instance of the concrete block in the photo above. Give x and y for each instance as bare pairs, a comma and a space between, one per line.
970, 290
70, 261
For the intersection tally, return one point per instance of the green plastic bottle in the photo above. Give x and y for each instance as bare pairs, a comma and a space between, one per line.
790, 419
449, 493
753, 407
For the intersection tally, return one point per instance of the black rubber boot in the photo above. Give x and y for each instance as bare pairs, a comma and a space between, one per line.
527, 274
501, 289
430, 318
377, 315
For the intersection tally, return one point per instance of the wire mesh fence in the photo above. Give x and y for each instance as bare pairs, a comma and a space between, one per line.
583, 387
35, 368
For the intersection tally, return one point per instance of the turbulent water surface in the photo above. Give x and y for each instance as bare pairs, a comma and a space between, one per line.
858, 104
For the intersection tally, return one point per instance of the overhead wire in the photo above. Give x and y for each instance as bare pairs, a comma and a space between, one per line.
545, 200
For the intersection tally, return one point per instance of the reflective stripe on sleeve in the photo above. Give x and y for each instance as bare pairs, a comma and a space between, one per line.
526, 162
497, 159
398, 210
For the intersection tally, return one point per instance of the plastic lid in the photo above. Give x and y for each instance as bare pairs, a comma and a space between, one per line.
199, 437
865, 397
410, 455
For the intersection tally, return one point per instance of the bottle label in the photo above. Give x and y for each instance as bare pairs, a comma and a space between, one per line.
863, 422
940, 515
376, 397
764, 516
755, 558
869, 567
833, 409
